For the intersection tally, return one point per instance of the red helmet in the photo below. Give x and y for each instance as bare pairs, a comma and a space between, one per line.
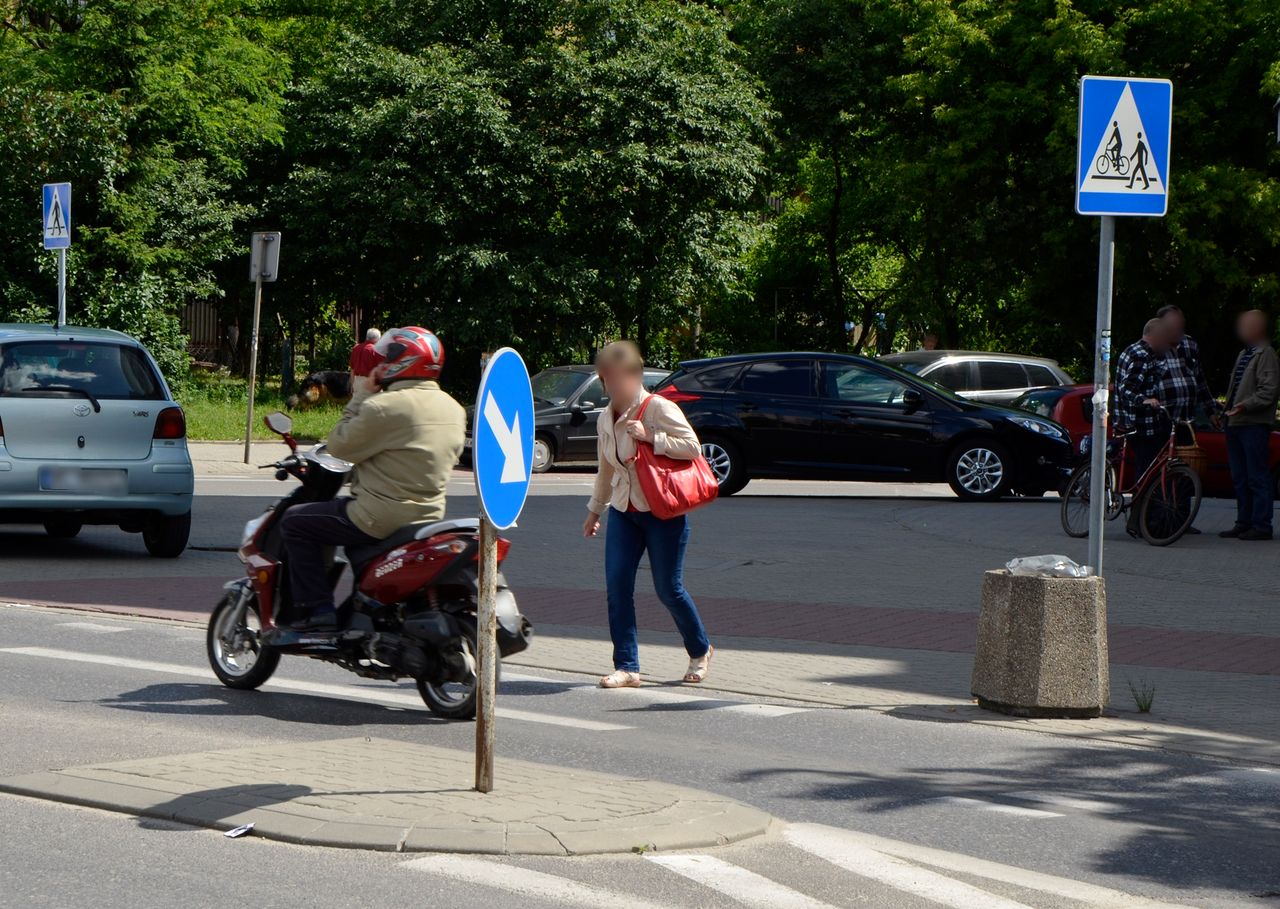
408, 353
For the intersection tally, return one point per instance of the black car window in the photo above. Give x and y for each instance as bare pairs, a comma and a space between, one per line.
593, 393
997, 374
1040, 375
718, 378
858, 384
556, 385
956, 376
107, 371
790, 378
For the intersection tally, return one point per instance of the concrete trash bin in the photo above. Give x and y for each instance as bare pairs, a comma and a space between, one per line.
1042, 646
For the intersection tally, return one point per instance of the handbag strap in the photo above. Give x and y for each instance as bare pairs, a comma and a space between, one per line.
639, 416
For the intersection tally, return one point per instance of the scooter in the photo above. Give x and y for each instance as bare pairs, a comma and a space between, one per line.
411, 612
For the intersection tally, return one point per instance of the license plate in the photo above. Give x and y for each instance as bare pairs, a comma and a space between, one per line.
84, 480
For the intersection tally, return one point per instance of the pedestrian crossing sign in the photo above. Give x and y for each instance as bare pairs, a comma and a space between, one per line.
56, 222
1122, 165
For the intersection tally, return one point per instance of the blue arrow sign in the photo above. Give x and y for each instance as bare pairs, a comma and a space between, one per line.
56, 223
503, 434
1122, 161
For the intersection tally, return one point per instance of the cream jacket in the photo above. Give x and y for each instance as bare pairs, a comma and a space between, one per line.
667, 429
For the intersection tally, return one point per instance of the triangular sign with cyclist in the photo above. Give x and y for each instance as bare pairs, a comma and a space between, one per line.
1125, 127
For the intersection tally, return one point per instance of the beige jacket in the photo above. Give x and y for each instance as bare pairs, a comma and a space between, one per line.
1258, 389
404, 442
667, 429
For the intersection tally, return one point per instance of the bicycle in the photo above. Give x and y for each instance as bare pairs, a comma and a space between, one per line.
1113, 159
1166, 497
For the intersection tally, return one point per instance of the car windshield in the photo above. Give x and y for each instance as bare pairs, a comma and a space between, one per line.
1041, 402
554, 386
101, 370
908, 369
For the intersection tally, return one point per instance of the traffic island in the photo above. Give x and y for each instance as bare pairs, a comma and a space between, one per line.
1042, 646
400, 797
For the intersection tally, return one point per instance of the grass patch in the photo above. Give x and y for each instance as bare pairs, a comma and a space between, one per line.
215, 406
1144, 694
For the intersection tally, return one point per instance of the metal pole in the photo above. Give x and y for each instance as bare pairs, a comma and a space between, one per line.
253, 363
1101, 393
487, 664
62, 287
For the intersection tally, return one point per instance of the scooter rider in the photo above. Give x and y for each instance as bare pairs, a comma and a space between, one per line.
404, 435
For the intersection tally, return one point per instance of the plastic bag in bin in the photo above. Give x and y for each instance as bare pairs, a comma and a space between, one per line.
1047, 566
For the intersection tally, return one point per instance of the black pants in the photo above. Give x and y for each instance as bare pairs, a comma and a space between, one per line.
307, 531
1145, 450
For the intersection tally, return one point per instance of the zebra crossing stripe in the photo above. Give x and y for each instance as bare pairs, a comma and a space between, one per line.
526, 882
746, 887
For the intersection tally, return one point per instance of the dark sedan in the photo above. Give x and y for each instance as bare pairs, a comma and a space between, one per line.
567, 402
831, 416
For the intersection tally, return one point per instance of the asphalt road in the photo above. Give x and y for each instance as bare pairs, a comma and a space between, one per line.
1177, 829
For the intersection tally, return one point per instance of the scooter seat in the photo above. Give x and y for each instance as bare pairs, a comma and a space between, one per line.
360, 556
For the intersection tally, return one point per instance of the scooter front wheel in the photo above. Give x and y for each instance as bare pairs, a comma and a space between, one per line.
236, 652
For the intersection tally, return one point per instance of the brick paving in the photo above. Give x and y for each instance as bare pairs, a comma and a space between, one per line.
380, 794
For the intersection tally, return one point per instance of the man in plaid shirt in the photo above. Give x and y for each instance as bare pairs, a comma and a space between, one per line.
1184, 389
1140, 382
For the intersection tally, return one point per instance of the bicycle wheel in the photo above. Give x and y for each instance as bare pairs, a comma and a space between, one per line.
1122, 165
1104, 164
1169, 505
1076, 499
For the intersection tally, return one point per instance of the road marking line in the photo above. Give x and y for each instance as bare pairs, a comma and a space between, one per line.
658, 695
347, 692
93, 627
746, 887
834, 845
526, 882
1091, 806
997, 807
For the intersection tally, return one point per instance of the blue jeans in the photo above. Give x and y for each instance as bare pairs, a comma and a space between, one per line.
629, 534
1248, 451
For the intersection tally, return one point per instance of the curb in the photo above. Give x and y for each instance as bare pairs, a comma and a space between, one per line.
355, 794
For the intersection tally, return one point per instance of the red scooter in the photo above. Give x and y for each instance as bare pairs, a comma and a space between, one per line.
411, 614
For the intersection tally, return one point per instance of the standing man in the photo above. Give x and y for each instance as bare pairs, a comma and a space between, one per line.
1140, 380
1251, 413
1185, 387
364, 357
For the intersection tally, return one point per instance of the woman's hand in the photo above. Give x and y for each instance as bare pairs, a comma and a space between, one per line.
636, 430
591, 525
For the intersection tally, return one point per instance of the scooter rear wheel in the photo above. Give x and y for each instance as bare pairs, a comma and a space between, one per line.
456, 700
237, 655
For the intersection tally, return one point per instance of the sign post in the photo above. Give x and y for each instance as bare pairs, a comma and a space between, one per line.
1122, 170
264, 263
56, 227
502, 459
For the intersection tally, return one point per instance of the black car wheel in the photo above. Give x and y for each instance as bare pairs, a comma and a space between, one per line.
166, 537
979, 470
62, 528
544, 454
726, 463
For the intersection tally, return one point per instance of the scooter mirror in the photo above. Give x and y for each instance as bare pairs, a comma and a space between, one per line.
279, 422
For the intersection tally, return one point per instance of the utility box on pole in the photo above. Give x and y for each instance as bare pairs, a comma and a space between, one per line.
264, 264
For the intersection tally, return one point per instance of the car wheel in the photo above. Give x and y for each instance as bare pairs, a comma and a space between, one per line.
544, 454
979, 470
726, 463
62, 528
166, 536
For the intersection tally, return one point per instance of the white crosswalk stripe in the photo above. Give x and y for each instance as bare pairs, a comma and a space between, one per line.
659, 697
1070, 802
996, 807
527, 882
746, 887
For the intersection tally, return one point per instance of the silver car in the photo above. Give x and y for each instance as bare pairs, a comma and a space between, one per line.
89, 434
992, 378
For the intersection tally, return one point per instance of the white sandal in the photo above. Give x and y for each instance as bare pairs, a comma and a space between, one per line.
620, 678
698, 668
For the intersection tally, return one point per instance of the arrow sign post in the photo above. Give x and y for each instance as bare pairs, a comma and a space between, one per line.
502, 458
264, 265
1122, 170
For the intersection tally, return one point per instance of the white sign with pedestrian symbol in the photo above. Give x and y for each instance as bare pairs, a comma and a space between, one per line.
1124, 145
57, 215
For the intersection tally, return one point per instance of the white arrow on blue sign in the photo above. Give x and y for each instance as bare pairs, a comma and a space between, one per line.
503, 434
1122, 161
56, 223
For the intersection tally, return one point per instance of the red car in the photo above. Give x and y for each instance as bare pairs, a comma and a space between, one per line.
1071, 407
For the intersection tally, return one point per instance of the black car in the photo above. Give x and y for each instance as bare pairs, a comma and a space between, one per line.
567, 402
831, 416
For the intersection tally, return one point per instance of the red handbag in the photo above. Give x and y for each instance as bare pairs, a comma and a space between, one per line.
672, 486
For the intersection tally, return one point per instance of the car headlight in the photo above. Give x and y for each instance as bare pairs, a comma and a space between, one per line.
1041, 427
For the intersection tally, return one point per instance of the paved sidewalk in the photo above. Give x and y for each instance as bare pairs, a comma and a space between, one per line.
1229, 715
394, 796
226, 459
